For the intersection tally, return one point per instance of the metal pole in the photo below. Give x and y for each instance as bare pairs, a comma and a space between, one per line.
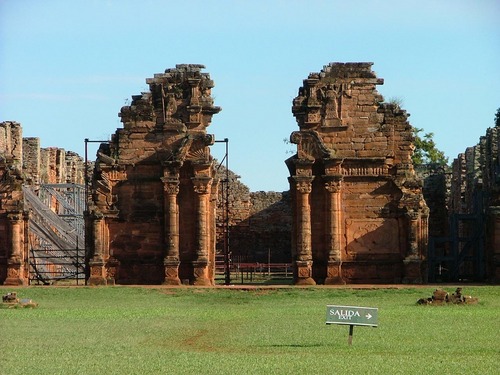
77, 260
225, 195
351, 333
226, 255
86, 209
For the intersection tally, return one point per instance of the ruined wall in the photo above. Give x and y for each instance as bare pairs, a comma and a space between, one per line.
259, 222
359, 214
13, 244
52, 165
32, 159
436, 190
152, 216
23, 162
475, 196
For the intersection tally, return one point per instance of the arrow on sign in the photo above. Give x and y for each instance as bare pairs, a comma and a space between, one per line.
368, 316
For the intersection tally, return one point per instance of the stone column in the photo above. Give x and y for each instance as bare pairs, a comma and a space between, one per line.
96, 264
333, 230
303, 262
200, 264
15, 266
413, 260
171, 212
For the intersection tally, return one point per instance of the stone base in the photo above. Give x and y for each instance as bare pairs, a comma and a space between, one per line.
172, 274
15, 281
305, 281
304, 273
334, 274
200, 274
97, 272
15, 274
95, 281
413, 271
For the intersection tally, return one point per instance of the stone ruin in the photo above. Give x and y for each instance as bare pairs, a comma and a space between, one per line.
442, 297
11, 301
152, 214
355, 212
475, 192
24, 162
464, 223
358, 210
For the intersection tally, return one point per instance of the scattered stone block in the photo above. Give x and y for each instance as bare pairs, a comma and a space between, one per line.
442, 297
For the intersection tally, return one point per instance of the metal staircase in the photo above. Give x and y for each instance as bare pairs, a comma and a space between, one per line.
56, 232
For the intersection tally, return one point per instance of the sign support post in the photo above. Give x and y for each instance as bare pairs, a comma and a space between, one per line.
351, 333
352, 316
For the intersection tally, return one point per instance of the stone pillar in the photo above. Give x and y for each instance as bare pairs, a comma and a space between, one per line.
15, 263
96, 264
333, 230
413, 260
303, 262
200, 265
171, 212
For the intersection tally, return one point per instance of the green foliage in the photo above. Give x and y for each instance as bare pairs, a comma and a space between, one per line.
426, 151
131, 330
497, 118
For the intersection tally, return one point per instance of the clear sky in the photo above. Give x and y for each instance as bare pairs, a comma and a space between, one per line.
67, 67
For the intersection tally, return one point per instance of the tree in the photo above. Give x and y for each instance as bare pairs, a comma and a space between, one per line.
426, 151
497, 118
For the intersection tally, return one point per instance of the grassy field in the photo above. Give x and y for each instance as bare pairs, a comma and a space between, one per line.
131, 330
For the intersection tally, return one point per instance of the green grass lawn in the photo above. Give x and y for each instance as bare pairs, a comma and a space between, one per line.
131, 330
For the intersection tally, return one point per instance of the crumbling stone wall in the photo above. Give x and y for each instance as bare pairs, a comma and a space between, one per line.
23, 162
359, 214
259, 222
152, 215
265, 232
52, 165
13, 219
475, 190
32, 159
436, 190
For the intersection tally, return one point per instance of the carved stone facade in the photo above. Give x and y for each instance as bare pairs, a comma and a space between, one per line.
359, 214
151, 219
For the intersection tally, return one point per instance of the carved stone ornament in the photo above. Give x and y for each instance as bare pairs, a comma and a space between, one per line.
333, 184
96, 270
171, 185
12, 273
202, 185
304, 186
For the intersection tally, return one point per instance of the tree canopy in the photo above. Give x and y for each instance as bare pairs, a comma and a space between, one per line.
426, 151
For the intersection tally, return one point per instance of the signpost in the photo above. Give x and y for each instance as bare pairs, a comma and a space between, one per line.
352, 316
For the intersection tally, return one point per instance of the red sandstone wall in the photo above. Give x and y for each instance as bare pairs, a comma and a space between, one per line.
359, 213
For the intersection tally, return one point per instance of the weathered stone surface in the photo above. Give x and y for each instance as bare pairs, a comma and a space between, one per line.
12, 218
475, 191
442, 297
358, 209
23, 162
152, 215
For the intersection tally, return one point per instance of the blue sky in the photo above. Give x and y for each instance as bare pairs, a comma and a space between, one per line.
67, 67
